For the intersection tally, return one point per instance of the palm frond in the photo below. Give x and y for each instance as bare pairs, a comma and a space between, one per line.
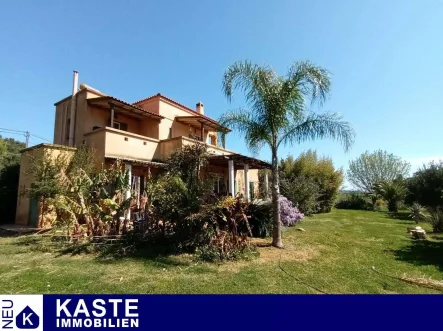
319, 126
241, 121
240, 75
258, 83
313, 81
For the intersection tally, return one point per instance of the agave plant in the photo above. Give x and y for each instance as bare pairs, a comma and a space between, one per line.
260, 212
416, 212
392, 192
436, 219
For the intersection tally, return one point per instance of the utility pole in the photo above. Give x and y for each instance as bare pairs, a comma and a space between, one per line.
27, 135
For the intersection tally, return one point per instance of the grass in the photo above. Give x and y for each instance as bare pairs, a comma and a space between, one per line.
334, 254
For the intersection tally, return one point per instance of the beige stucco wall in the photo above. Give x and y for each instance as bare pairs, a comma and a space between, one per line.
28, 156
62, 114
96, 117
111, 142
170, 111
149, 127
87, 117
152, 105
83, 119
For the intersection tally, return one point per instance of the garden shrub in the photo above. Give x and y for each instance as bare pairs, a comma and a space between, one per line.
416, 212
314, 179
304, 192
379, 203
220, 232
435, 218
426, 185
9, 177
289, 214
260, 217
393, 192
354, 201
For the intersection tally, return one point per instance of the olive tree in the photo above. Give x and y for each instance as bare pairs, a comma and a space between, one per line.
370, 169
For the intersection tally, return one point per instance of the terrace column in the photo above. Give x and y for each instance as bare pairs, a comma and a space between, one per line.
202, 133
112, 114
266, 184
246, 170
128, 168
231, 177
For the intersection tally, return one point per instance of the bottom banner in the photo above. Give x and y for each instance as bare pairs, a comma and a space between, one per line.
122, 312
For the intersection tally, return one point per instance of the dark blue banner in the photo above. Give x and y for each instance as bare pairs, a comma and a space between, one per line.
220, 312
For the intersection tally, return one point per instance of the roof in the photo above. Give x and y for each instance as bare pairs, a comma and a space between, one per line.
239, 161
134, 106
105, 100
142, 162
53, 146
159, 95
81, 90
198, 120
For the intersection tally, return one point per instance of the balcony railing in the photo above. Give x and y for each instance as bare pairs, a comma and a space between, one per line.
169, 145
110, 142
195, 137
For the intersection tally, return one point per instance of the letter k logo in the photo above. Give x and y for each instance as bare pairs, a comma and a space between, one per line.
27, 319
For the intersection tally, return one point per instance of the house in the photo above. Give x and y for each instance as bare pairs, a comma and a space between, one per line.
142, 134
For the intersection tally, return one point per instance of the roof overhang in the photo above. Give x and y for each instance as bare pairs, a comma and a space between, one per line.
107, 102
239, 161
198, 121
138, 162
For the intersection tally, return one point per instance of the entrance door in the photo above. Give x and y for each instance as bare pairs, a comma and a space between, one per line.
33, 213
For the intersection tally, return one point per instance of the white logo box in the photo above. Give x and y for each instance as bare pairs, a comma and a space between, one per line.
15, 316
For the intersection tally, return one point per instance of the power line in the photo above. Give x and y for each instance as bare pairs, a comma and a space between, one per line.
27, 134
20, 134
34, 135
12, 130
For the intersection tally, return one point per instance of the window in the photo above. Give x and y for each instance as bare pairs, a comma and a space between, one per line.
121, 126
219, 185
68, 124
251, 190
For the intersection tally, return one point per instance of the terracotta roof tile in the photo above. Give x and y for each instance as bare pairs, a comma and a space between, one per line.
159, 95
128, 104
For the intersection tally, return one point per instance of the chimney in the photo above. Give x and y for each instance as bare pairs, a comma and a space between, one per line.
200, 108
73, 108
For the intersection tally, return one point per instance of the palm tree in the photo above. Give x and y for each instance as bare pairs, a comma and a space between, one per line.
391, 191
278, 115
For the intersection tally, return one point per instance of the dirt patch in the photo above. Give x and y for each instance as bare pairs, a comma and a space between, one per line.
291, 252
300, 254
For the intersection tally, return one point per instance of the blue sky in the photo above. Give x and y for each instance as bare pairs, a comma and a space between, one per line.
386, 60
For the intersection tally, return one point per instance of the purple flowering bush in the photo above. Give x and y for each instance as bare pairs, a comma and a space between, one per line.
289, 214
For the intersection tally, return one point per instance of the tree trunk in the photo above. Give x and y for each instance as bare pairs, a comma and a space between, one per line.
275, 189
393, 206
41, 211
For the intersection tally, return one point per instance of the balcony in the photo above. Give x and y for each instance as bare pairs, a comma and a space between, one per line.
167, 146
110, 142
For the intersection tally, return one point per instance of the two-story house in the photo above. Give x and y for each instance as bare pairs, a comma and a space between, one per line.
142, 134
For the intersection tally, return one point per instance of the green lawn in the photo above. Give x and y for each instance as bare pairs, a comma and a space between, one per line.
335, 254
